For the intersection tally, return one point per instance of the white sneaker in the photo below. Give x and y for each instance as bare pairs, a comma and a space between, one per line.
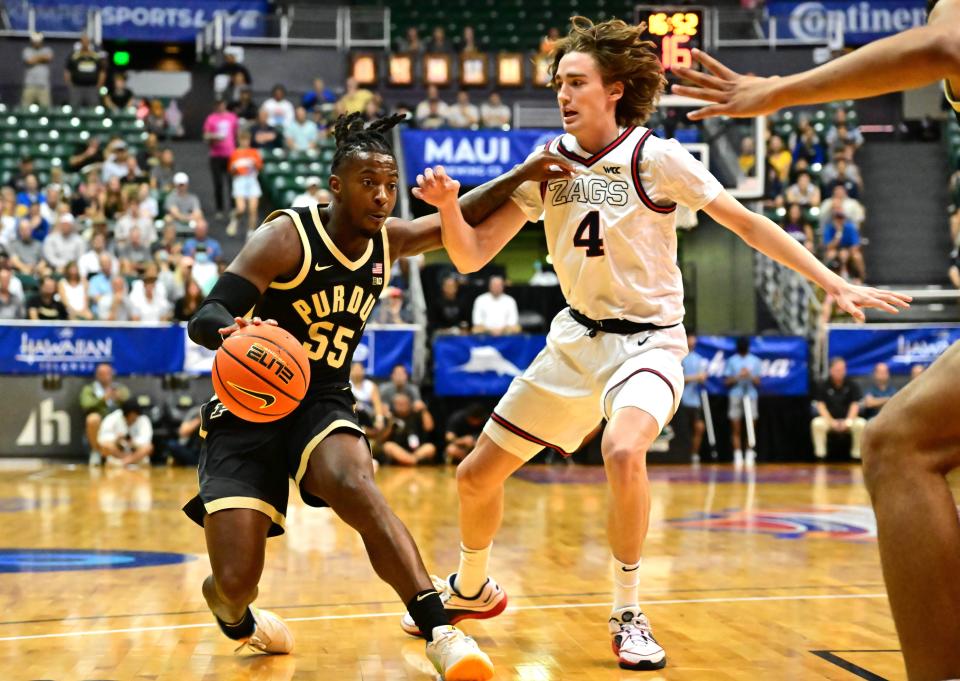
457, 657
270, 635
633, 641
751, 458
737, 458
490, 602
95, 459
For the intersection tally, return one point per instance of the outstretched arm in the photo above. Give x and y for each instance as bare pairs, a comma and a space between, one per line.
762, 234
423, 234
468, 248
904, 61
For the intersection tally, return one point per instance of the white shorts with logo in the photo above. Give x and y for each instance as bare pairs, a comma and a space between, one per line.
578, 380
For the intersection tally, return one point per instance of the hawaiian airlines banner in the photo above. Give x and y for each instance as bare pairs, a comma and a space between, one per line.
900, 347
862, 22
163, 20
481, 365
76, 349
783, 363
470, 156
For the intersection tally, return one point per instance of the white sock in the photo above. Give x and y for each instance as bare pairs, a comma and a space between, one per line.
472, 574
626, 584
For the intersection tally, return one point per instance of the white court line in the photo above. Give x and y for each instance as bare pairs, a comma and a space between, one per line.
356, 616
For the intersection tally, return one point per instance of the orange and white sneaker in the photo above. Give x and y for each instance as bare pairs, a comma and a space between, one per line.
490, 602
270, 635
457, 657
633, 641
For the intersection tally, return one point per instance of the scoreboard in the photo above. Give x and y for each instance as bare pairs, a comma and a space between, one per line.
676, 31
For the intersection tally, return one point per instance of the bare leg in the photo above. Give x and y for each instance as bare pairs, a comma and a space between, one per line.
625, 442
236, 541
735, 435
698, 428
480, 479
907, 451
341, 473
398, 454
253, 208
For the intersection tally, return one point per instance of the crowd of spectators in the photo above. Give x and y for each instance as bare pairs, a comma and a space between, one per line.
814, 187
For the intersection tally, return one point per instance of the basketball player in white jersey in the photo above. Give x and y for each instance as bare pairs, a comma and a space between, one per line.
913, 444
615, 353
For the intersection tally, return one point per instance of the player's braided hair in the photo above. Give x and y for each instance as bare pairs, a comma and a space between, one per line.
354, 136
621, 55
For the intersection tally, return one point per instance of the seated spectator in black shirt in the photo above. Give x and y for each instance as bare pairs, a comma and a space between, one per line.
463, 429
879, 392
43, 305
118, 97
245, 108
263, 135
400, 384
184, 308
838, 407
404, 441
449, 314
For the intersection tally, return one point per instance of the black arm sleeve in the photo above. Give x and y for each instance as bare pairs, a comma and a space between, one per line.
232, 296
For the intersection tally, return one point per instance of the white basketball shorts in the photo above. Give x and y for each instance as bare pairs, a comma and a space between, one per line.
577, 380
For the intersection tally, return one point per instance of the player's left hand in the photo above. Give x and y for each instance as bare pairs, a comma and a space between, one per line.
852, 299
734, 94
437, 188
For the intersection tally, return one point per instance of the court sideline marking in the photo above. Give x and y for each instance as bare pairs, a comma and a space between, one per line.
559, 606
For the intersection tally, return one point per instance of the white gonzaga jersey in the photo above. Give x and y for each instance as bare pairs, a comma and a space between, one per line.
611, 228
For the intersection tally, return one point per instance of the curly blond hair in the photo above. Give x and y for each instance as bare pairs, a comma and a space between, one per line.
621, 56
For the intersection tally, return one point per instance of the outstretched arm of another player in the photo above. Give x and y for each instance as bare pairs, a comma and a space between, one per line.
273, 252
765, 236
903, 61
469, 248
423, 234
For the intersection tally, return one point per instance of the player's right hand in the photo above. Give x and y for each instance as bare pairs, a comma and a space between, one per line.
437, 188
733, 94
240, 322
545, 165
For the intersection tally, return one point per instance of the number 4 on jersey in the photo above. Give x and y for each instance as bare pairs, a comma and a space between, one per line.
593, 242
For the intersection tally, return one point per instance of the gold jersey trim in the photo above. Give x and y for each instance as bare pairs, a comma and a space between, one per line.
352, 265
251, 503
307, 254
386, 254
316, 440
951, 98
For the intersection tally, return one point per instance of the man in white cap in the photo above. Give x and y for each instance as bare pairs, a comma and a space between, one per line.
36, 74
63, 245
314, 195
181, 207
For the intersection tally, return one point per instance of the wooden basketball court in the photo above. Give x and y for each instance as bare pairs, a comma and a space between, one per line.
772, 575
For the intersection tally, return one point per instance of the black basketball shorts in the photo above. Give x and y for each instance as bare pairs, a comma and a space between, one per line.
248, 465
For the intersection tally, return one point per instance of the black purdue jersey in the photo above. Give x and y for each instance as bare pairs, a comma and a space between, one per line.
328, 301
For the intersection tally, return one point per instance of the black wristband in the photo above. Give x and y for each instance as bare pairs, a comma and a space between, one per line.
232, 296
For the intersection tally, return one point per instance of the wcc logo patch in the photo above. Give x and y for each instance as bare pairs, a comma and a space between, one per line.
850, 523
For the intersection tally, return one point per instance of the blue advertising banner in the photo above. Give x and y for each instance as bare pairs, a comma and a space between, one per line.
380, 349
862, 22
783, 359
899, 347
481, 365
161, 20
39, 348
470, 156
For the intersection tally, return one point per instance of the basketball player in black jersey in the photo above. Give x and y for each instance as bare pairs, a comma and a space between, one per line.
913, 444
318, 272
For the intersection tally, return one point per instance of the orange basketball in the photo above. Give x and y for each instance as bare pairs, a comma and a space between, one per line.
261, 373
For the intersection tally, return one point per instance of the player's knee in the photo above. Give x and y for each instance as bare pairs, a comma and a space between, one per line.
93, 419
472, 480
883, 453
237, 585
625, 462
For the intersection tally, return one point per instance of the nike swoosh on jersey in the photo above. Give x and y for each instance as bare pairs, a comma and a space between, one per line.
321, 268
267, 398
